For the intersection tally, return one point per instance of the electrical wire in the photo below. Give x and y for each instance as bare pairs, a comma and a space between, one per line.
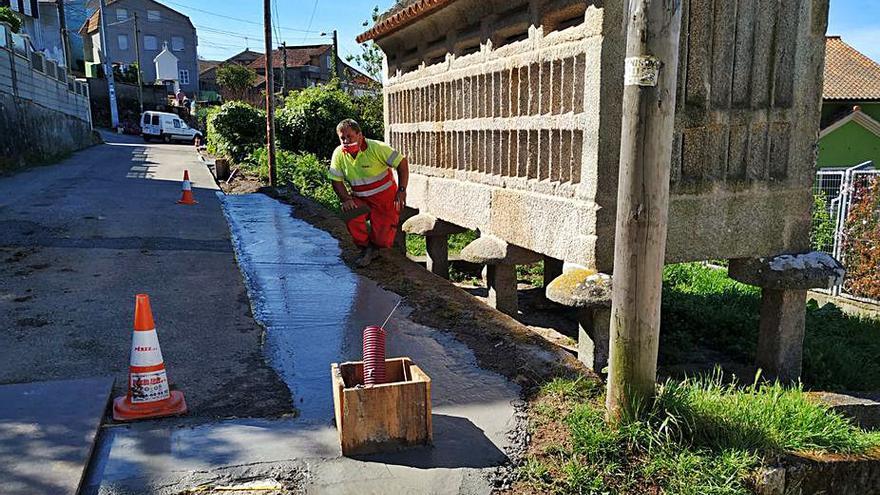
243, 20
311, 18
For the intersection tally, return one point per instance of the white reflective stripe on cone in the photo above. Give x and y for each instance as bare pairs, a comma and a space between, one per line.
364, 194
145, 349
187, 186
148, 387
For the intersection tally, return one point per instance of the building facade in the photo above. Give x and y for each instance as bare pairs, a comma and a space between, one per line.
158, 26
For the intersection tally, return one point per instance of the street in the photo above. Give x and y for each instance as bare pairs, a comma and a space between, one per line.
82, 237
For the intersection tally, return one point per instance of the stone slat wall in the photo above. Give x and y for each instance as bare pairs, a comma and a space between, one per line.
510, 115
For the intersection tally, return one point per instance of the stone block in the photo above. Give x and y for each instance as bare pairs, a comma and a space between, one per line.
429, 225
801, 271
437, 248
581, 288
501, 282
491, 250
781, 333
594, 333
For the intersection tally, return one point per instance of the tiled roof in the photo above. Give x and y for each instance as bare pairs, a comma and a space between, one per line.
849, 75
297, 56
93, 22
206, 65
402, 14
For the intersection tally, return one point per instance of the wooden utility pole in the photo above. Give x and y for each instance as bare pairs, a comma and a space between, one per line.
108, 69
270, 90
284, 69
651, 66
137, 51
334, 67
62, 25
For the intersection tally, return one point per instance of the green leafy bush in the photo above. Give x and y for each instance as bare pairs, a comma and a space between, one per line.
8, 16
304, 171
822, 231
309, 117
370, 115
202, 115
235, 130
862, 242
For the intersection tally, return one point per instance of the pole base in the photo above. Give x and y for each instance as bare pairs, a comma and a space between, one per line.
125, 410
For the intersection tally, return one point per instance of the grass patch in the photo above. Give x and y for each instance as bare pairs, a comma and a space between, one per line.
701, 436
703, 307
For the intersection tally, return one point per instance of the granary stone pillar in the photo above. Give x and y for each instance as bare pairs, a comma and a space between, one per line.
590, 292
500, 259
784, 281
436, 234
552, 269
400, 238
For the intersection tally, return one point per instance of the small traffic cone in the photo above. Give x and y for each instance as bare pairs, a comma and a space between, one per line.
148, 394
187, 197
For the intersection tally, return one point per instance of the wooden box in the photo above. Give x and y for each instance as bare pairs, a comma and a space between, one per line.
384, 417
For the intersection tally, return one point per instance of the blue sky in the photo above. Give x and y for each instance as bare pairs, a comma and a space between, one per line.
226, 27
858, 23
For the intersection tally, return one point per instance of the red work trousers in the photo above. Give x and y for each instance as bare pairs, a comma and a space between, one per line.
383, 217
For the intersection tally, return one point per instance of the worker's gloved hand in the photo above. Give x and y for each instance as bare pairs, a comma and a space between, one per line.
349, 205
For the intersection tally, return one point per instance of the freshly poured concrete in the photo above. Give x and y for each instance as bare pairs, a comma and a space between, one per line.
315, 308
47, 431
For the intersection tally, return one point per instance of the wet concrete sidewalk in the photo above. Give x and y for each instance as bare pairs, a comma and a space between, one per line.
315, 308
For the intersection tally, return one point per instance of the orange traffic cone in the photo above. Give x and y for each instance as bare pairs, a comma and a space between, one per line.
187, 197
148, 394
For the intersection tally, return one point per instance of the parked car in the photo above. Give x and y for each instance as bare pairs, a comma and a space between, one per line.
166, 126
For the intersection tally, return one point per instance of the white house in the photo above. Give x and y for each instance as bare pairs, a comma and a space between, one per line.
166, 69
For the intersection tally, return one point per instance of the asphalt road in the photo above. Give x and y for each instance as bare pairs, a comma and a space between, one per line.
80, 238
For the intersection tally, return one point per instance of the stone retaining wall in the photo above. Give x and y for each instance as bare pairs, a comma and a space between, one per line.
43, 112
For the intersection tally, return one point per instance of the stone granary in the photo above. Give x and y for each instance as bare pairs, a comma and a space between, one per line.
510, 114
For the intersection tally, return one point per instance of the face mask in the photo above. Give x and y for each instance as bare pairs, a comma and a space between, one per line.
351, 148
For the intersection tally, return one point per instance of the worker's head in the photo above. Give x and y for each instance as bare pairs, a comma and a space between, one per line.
350, 135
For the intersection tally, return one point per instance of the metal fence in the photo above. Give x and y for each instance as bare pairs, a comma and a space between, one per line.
835, 188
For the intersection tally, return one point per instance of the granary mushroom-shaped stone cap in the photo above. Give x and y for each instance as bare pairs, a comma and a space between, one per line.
425, 224
800, 271
491, 250
581, 288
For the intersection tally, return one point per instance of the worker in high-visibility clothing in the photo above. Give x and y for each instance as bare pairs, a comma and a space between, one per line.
365, 164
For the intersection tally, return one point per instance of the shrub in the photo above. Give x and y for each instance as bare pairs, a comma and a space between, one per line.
235, 130
304, 171
370, 116
309, 117
822, 231
862, 242
235, 80
9, 16
203, 113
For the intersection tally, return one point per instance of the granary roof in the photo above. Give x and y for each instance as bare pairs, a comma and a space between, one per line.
403, 13
849, 75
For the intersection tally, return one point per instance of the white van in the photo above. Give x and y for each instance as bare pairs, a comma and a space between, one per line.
167, 127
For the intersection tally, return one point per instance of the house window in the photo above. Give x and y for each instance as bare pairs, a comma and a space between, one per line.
151, 42
123, 41
177, 43
183, 76
153, 15
121, 14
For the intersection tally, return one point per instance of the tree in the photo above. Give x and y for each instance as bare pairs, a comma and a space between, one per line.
8, 16
236, 80
371, 58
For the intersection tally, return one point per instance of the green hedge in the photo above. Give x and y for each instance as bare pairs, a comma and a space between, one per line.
309, 117
304, 171
236, 130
